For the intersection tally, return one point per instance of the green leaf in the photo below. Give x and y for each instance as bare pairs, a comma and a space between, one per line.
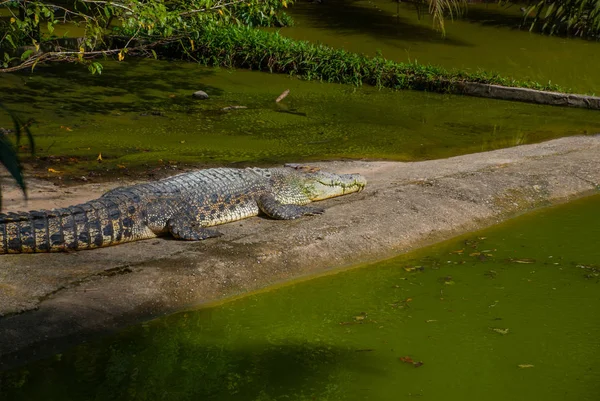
10, 40
95, 68
34, 64
8, 154
8, 157
549, 11
26, 54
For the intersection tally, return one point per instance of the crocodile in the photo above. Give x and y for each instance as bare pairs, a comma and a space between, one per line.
184, 205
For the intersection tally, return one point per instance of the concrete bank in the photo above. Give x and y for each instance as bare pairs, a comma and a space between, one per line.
49, 301
529, 95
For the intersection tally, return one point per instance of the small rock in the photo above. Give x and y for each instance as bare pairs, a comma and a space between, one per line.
200, 95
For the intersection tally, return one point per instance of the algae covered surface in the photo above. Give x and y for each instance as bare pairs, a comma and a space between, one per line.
140, 115
510, 312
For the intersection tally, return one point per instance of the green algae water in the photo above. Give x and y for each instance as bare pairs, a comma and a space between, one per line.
140, 114
511, 312
486, 38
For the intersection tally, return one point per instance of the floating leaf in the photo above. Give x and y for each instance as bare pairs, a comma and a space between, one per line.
525, 365
282, 96
522, 260
99, 158
408, 359
500, 330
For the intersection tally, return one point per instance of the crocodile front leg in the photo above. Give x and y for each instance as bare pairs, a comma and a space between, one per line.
182, 227
277, 210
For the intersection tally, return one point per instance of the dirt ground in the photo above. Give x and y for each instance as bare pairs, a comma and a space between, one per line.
50, 301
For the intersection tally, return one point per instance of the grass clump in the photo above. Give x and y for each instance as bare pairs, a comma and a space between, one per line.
244, 47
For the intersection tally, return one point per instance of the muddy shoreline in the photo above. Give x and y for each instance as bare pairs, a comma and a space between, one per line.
50, 301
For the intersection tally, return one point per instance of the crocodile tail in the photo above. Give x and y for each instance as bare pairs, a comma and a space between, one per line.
86, 226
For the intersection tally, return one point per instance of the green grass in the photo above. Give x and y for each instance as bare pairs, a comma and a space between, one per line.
243, 47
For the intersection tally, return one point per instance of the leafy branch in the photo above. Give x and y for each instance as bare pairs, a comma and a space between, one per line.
121, 27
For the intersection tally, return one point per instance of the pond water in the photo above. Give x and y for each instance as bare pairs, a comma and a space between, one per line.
485, 38
510, 312
140, 114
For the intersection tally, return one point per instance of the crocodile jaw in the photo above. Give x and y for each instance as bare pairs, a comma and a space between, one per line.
327, 185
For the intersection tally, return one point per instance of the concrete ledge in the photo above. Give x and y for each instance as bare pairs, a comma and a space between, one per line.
51, 301
528, 95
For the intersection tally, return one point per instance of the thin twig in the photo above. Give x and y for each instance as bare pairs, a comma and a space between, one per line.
75, 55
210, 8
110, 3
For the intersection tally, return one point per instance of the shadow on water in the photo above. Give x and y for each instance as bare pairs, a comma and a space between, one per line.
78, 91
494, 17
156, 362
350, 17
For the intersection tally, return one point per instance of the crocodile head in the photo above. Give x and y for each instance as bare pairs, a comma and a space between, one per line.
302, 184
323, 185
